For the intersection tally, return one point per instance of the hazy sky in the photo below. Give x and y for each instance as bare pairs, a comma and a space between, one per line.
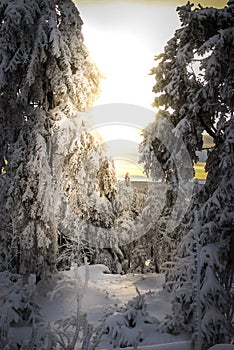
123, 37
214, 3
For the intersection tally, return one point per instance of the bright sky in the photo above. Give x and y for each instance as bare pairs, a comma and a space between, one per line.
123, 37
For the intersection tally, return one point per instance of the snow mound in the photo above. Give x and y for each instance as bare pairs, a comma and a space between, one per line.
222, 347
95, 272
183, 345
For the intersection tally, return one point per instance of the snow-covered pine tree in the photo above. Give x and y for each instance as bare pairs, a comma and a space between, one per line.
162, 152
194, 84
107, 179
88, 178
89, 207
44, 66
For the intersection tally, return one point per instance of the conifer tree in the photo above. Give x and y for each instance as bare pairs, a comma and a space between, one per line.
194, 87
45, 73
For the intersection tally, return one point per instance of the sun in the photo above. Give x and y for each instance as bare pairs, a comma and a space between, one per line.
125, 61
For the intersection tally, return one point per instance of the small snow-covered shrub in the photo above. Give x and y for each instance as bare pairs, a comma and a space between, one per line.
21, 326
123, 327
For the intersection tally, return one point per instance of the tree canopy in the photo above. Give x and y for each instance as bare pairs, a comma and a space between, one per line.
46, 74
194, 91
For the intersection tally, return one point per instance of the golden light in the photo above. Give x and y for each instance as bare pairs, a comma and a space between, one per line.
119, 132
125, 61
124, 165
209, 3
123, 38
122, 143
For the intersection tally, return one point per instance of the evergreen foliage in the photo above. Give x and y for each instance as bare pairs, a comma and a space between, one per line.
45, 72
122, 327
194, 89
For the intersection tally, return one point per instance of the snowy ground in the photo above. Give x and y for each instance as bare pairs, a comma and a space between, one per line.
106, 293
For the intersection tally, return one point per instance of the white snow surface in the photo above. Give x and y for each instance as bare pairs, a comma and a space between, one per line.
182, 345
103, 292
222, 347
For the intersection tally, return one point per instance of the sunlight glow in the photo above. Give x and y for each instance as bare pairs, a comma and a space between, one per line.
119, 132
123, 38
125, 61
124, 165
122, 145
